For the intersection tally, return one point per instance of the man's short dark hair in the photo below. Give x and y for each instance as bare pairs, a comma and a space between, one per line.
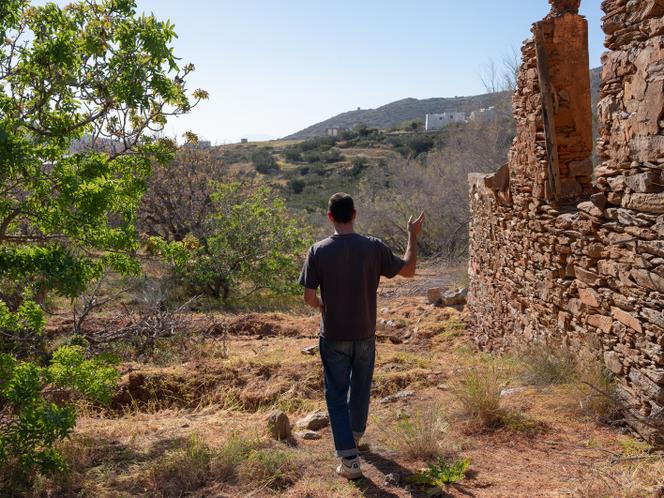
341, 207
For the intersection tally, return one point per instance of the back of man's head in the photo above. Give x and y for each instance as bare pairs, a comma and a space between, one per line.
341, 207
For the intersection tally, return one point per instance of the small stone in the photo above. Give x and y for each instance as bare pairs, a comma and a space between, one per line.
434, 295
314, 421
308, 435
392, 479
454, 298
508, 391
310, 350
401, 395
278, 425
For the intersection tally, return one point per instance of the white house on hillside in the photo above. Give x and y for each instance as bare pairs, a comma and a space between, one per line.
484, 115
438, 121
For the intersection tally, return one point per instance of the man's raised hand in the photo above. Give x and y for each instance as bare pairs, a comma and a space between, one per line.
415, 226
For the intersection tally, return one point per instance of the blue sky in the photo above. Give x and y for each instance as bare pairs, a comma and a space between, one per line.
274, 67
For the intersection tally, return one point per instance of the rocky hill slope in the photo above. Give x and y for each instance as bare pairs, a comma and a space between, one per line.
395, 113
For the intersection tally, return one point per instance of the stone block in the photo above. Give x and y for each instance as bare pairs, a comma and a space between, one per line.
626, 319
644, 182
613, 362
648, 203
601, 322
587, 277
589, 297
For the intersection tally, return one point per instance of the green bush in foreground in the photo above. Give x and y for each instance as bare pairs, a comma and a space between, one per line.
38, 411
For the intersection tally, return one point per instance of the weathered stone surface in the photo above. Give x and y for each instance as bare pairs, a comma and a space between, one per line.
602, 322
647, 279
648, 203
278, 425
644, 182
587, 276
571, 259
649, 387
314, 421
613, 362
626, 319
589, 297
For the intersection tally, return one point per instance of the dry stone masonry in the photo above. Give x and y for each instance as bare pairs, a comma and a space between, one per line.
564, 253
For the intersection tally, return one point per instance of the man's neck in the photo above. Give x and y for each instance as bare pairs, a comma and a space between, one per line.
345, 229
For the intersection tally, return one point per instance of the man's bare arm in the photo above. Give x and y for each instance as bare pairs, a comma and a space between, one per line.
410, 257
312, 299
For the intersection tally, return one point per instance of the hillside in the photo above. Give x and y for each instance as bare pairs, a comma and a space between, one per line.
395, 113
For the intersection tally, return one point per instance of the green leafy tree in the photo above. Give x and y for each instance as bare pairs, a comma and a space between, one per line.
252, 243
83, 89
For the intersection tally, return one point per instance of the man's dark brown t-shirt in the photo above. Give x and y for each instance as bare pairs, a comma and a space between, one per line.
347, 268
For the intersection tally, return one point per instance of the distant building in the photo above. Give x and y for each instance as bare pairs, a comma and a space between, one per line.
438, 121
244, 140
484, 115
204, 144
334, 131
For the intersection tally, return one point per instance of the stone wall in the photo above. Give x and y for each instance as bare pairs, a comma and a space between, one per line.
555, 255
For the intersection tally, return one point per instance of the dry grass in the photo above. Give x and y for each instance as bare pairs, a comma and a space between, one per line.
417, 436
478, 389
272, 468
181, 470
547, 365
596, 393
632, 479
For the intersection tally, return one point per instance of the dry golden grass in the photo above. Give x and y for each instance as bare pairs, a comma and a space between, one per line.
478, 390
418, 436
547, 365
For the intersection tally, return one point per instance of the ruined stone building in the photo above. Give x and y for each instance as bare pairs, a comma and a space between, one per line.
564, 252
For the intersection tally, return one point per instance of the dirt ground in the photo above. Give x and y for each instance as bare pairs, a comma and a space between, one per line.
197, 390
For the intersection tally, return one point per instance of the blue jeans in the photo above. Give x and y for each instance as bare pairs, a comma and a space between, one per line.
348, 370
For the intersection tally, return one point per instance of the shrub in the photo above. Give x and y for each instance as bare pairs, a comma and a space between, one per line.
311, 156
38, 409
479, 393
546, 365
440, 474
251, 241
296, 185
263, 161
331, 156
293, 154
417, 436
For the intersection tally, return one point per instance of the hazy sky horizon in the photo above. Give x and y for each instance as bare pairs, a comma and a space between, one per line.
273, 68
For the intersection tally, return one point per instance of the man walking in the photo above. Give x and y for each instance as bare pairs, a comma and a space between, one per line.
347, 267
